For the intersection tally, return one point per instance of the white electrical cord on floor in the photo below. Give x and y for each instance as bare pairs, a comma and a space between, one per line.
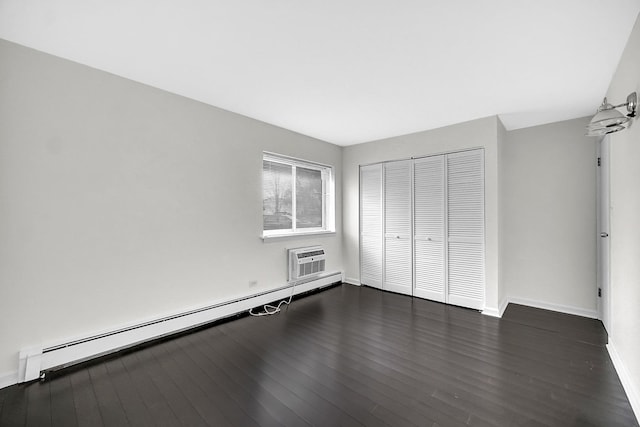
270, 309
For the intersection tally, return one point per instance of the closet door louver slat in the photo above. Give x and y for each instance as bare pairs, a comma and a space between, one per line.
371, 225
465, 203
398, 259
429, 221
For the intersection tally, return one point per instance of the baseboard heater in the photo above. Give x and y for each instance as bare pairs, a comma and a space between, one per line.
35, 360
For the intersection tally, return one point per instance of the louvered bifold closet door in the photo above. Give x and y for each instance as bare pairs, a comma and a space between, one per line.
398, 257
465, 205
371, 225
429, 228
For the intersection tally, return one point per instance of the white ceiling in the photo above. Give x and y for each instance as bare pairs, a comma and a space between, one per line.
347, 71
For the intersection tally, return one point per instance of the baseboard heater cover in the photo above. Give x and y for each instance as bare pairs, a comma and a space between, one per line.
34, 360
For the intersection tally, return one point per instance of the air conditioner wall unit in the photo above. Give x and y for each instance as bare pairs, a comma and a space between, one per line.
306, 262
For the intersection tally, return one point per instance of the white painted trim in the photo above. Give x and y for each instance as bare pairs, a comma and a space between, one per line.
493, 312
29, 362
490, 311
283, 236
578, 311
352, 281
633, 394
33, 360
8, 378
503, 306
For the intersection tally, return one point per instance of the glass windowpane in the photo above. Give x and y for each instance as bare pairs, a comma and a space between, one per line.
277, 181
308, 198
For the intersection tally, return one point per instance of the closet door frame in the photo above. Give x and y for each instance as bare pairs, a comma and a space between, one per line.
472, 303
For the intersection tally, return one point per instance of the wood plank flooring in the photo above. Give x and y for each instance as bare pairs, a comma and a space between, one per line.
347, 356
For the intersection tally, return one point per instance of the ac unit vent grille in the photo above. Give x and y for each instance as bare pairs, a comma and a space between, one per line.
311, 268
306, 262
310, 254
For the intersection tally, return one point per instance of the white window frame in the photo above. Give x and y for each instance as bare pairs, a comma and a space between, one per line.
328, 197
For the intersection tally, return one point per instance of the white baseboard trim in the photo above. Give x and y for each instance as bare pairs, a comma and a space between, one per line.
33, 360
633, 394
503, 305
8, 378
496, 312
352, 281
493, 312
567, 309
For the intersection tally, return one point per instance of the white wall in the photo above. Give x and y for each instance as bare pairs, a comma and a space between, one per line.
625, 227
477, 133
120, 202
549, 217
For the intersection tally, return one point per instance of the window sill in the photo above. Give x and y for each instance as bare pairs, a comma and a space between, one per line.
294, 235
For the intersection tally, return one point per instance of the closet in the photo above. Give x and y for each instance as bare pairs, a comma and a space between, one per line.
422, 227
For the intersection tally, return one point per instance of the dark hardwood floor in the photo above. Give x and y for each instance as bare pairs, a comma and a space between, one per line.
347, 356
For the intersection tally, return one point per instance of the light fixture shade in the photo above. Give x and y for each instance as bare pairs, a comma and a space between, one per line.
606, 118
604, 130
609, 120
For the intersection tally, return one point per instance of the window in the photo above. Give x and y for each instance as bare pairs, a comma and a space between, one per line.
297, 197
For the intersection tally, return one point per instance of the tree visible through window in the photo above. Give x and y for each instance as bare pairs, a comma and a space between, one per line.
295, 196
308, 198
276, 190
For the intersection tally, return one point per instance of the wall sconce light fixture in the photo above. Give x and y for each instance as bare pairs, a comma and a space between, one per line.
609, 120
